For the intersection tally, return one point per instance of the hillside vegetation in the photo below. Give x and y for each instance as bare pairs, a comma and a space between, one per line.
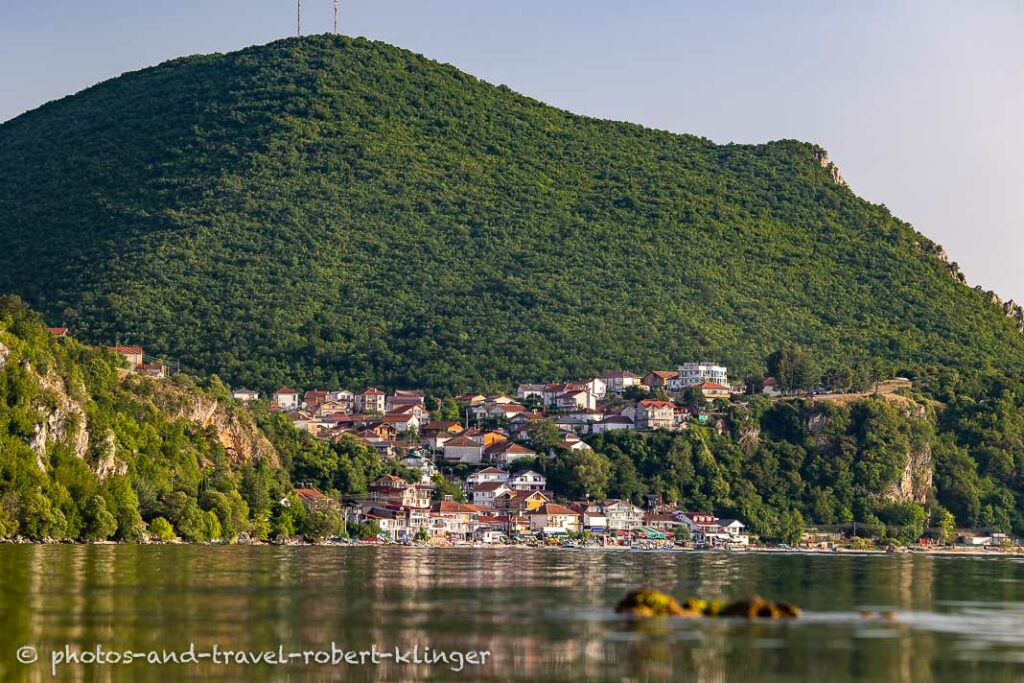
90, 453
335, 212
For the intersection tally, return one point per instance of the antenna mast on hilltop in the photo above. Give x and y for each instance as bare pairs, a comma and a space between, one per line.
335, 17
298, 17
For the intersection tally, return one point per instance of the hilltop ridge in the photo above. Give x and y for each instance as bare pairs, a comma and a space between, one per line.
335, 211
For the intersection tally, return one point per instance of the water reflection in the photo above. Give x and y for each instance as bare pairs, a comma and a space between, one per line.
544, 615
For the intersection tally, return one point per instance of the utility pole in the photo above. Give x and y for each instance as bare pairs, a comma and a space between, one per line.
298, 17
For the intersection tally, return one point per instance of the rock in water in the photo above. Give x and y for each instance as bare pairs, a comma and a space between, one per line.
648, 602
651, 603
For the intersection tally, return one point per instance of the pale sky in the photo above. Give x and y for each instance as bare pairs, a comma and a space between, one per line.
920, 103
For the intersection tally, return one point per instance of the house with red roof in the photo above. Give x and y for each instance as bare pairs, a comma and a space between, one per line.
155, 370
286, 398
553, 519
488, 474
314, 398
454, 519
132, 354
712, 390
506, 452
659, 379
370, 400
770, 387
652, 414
464, 448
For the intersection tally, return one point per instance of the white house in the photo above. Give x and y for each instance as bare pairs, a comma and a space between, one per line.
487, 475
484, 494
574, 444
622, 515
594, 518
617, 382
245, 395
699, 373
403, 422
576, 399
595, 385
371, 400
770, 388
734, 531
528, 481
652, 414
525, 391
286, 398
703, 526
611, 423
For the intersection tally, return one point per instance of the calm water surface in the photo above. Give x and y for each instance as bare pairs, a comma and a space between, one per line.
544, 615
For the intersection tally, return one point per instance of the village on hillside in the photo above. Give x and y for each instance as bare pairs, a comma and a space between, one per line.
490, 437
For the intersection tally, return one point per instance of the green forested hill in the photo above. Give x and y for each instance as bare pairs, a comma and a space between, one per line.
328, 210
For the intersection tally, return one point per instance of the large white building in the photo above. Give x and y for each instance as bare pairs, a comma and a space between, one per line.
699, 373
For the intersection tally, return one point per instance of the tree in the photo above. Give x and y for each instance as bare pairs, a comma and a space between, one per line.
946, 524
369, 529
543, 435
681, 533
322, 524
99, 523
580, 473
192, 524
213, 529
161, 530
792, 368
791, 527
839, 379
904, 521
124, 506
443, 488
449, 410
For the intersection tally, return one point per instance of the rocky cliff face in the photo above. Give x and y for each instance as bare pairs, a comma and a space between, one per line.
1011, 309
237, 433
1016, 313
837, 177
915, 483
916, 480
63, 421
242, 441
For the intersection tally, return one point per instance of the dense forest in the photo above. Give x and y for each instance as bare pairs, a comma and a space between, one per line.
337, 212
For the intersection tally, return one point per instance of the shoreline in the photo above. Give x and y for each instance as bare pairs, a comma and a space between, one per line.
938, 552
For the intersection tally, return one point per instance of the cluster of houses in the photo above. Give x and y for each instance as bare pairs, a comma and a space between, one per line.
494, 433
399, 422
514, 506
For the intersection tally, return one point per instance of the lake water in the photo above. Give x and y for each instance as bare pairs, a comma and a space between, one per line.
542, 614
